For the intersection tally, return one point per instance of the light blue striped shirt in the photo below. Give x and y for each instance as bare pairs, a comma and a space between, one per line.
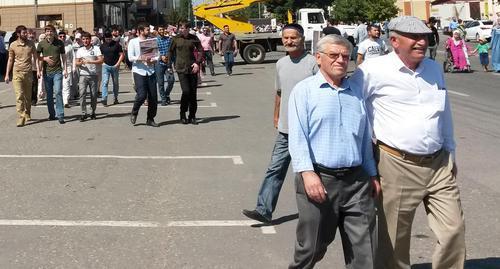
328, 126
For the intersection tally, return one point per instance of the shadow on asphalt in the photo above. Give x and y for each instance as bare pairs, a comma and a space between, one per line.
278, 221
486, 263
7, 106
209, 86
201, 120
241, 74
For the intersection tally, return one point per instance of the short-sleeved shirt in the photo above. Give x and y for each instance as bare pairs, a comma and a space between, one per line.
482, 48
54, 49
289, 72
111, 52
89, 54
227, 42
372, 48
22, 53
206, 41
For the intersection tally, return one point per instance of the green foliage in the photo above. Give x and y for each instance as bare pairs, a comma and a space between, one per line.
365, 10
184, 10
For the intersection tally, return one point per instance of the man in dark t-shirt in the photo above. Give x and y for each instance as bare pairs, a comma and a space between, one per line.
113, 56
228, 47
53, 60
433, 38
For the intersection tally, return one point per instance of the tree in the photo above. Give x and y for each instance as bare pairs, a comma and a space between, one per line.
365, 10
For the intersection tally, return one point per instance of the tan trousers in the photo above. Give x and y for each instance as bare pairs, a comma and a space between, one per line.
405, 185
21, 81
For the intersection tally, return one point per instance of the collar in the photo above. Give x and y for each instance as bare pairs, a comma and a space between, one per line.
320, 82
400, 66
91, 47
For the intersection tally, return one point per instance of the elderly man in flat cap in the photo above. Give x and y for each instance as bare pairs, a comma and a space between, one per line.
409, 111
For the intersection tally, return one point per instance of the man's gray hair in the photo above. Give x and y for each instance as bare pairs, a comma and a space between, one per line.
333, 40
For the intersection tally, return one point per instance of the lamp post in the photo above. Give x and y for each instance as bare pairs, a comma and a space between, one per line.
35, 11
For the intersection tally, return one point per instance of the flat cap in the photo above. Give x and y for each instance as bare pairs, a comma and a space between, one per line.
409, 24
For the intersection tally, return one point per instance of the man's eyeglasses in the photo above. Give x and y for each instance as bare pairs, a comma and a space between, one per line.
335, 56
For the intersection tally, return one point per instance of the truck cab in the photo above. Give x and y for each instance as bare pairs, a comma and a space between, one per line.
311, 19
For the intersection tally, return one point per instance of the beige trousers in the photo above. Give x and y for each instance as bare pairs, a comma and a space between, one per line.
405, 185
21, 81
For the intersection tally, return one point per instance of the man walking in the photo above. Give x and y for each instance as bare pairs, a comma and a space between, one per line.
88, 58
373, 46
70, 58
228, 47
409, 110
207, 42
291, 69
187, 65
331, 151
34, 84
22, 55
144, 75
164, 66
433, 38
53, 61
113, 56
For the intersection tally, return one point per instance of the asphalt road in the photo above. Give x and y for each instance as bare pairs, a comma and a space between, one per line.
106, 194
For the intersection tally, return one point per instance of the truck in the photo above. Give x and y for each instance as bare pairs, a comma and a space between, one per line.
253, 46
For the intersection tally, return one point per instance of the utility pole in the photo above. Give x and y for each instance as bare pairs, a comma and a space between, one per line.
35, 11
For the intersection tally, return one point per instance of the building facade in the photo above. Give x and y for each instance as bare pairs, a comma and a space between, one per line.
88, 14
445, 10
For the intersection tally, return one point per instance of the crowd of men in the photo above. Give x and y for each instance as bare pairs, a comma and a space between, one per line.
70, 68
381, 138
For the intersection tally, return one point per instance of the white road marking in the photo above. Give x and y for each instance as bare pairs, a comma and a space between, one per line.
268, 229
172, 93
131, 106
80, 223
458, 93
237, 160
138, 224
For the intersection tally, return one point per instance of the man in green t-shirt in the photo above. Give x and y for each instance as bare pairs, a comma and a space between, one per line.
53, 61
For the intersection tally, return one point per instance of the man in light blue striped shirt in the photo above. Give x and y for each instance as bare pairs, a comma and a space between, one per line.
331, 149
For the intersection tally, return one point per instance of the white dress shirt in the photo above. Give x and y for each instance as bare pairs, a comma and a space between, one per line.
139, 67
408, 110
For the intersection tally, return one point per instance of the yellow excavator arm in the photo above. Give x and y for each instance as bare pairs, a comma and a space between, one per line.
214, 13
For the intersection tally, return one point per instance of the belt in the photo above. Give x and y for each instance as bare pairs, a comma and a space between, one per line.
338, 172
408, 156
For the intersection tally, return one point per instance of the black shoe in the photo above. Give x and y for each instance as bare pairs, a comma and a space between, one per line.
253, 214
193, 121
83, 117
168, 101
61, 121
184, 120
116, 101
33, 103
52, 118
104, 102
67, 106
163, 103
151, 123
133, 118
92, 116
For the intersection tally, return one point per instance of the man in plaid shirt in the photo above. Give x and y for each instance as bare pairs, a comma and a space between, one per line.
164, 66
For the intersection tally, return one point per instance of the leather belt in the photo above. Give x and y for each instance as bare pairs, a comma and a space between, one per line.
408, 156
338, 172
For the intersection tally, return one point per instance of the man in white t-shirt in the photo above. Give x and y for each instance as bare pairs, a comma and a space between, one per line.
88, 58
373, 46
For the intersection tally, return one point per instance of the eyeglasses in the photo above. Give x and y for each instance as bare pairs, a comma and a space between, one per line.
335, 56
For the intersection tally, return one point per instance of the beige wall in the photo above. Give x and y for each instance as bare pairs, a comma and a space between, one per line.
417, 8
12, 16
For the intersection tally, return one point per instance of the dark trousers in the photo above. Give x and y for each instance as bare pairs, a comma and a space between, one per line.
209, 61
350, 207
146, 88
34, 88
189, 84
